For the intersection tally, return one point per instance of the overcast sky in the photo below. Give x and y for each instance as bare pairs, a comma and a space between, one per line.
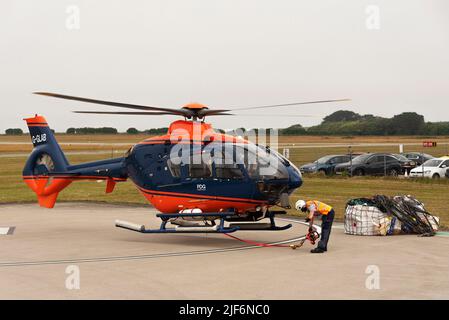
225, 54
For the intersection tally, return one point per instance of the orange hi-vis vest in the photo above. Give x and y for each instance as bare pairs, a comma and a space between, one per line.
321, 207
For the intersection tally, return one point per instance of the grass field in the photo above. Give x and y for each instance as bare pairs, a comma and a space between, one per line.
335, 191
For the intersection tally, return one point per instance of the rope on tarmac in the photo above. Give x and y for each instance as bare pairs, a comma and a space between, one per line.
263, 244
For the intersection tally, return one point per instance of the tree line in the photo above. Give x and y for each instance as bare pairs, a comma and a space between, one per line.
345, 122
109, 130
102, 130
153, 131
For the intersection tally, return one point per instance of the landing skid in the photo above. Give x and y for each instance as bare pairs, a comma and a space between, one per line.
220, 228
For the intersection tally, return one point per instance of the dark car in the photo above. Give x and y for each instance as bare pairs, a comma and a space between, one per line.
406, 163
417, 157
371, 164
324, 164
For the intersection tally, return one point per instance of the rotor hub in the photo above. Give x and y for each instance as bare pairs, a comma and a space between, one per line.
195, 106
195, 110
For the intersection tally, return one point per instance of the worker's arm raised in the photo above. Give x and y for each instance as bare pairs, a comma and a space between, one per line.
311, 212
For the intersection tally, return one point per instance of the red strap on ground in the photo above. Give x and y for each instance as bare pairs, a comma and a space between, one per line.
259, 244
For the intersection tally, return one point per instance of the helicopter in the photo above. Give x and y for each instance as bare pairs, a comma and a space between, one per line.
199, 179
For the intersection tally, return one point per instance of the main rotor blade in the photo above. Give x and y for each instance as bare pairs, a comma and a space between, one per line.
212, 112
114, 104
291, 104
219, 114
280, 115
126, 112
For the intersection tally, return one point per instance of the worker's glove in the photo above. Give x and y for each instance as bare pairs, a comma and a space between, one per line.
311, 229
307, 219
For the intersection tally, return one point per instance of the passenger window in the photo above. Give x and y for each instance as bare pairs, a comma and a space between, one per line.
228, 171
197, 166
200, 170
200, 164
175, 169
446, 163
225, 170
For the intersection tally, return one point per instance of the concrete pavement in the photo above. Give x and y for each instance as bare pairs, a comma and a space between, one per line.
118, 264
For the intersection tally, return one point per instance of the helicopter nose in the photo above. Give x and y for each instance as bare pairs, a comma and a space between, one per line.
295, 177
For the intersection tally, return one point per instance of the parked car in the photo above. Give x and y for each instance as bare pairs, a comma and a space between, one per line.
372, 164
433, 168
418, 157
406, 163
325, 164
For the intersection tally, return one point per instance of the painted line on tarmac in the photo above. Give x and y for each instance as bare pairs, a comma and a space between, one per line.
7, 231
151, 256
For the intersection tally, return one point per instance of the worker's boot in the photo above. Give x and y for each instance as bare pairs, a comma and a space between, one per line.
317, 250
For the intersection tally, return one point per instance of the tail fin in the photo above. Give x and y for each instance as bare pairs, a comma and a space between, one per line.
46, 157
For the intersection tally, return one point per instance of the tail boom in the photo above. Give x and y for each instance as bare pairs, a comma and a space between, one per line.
47, 171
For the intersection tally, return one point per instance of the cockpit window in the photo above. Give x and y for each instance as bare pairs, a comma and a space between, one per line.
225, 170
269, 163
258, 162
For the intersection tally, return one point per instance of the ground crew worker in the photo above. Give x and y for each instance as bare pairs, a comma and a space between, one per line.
316, 208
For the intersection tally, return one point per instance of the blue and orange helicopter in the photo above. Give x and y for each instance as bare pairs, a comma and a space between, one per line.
194, 175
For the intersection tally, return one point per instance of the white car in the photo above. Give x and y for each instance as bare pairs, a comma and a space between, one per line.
433, 168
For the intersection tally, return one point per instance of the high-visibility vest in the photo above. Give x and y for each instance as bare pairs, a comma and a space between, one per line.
321, 207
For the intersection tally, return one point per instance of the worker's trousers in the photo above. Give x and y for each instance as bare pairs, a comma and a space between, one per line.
326, 226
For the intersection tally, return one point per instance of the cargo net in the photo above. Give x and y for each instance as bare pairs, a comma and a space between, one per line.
382, 215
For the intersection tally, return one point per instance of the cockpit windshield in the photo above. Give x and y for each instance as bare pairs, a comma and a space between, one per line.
230, 160
259, 162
